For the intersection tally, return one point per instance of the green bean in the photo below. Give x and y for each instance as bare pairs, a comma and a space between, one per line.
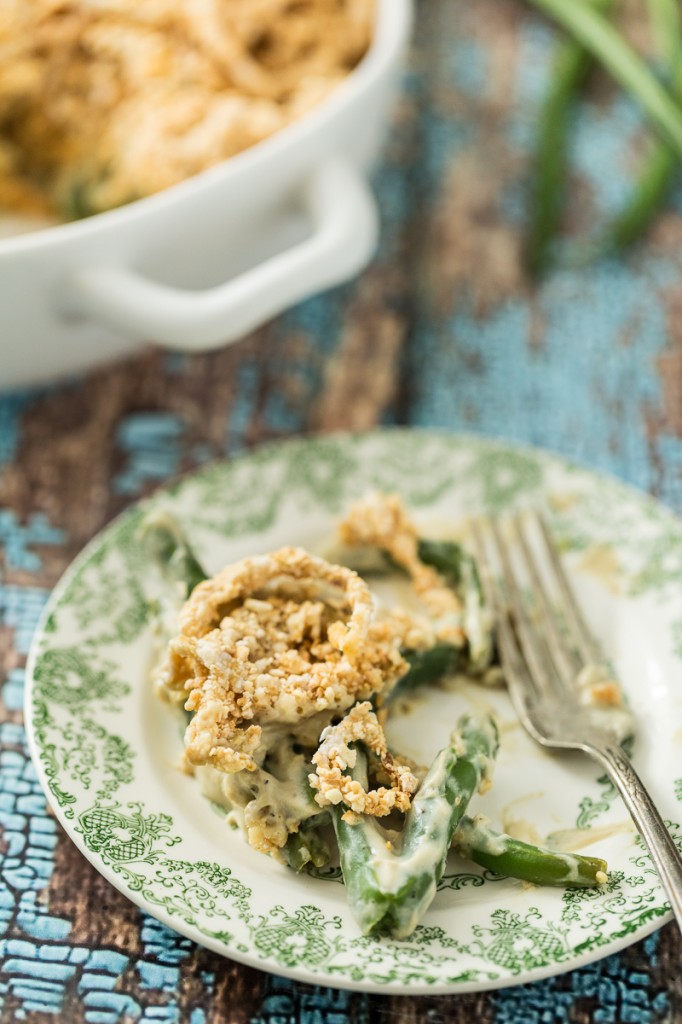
666, 23
458, 567
426, 667
308, 847
660, 168
500, 853
653, 186
447, 556
460, 571
358, 844
604, 42
456, 774
167, 546
571, 66
389, 892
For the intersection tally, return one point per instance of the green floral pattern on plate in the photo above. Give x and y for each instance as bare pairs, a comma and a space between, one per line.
94, 724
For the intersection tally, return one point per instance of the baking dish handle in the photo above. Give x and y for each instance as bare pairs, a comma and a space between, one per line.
343, 212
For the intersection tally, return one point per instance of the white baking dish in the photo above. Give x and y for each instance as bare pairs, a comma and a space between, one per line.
206, 261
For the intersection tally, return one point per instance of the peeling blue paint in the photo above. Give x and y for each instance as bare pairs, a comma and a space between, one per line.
151, 444
16, 539
11, 409
620, 996
20, 609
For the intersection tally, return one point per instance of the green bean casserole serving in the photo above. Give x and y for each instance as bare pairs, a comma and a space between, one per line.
288, 666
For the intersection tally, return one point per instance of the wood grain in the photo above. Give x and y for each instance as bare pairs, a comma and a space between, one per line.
443, 329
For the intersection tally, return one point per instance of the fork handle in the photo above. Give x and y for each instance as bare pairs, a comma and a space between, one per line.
649, 822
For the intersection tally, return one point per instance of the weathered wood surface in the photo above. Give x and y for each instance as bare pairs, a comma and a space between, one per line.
442, 330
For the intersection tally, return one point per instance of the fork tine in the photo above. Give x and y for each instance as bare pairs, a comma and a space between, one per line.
580, 633
531, 641
563, 655
569, 725
520, 681
496, 600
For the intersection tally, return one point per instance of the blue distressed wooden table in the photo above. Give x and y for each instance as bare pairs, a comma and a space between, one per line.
442, 330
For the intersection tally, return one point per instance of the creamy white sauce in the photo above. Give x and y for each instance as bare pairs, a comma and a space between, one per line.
609, 714
478, 621
574, 839
278, 797
394, 868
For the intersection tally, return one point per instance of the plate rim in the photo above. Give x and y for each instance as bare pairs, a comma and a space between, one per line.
253, 959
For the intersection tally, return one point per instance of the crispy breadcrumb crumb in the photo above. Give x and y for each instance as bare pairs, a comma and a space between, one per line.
382, 521
334, 756
274, 639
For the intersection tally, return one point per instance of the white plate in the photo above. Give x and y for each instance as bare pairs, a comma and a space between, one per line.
107, 751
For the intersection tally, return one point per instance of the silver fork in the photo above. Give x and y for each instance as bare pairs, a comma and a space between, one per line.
555, 672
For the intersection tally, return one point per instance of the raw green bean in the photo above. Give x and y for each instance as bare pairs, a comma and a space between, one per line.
651, 189
605, 43
571, 66
592, 35
388, 891
661, 166
666, 23
504, 855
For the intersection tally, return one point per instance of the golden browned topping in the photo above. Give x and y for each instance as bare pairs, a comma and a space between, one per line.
597, 687
104, 101
274, 639
381, 521
334, 756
